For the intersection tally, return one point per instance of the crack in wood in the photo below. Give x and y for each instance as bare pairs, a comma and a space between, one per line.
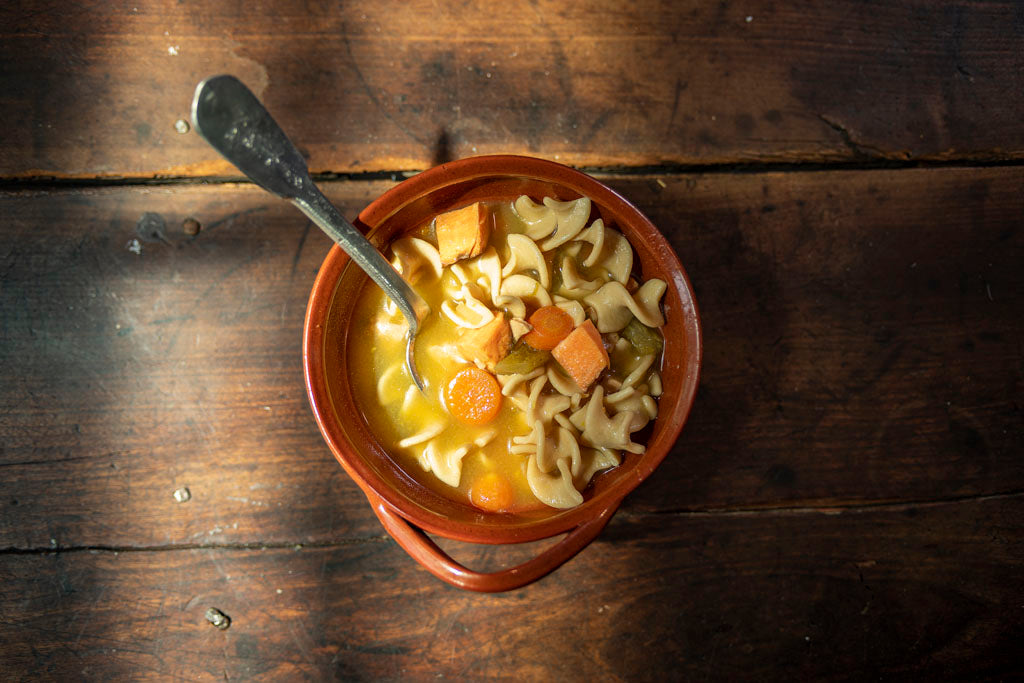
864, 162
832, 509
859, 148
60, 549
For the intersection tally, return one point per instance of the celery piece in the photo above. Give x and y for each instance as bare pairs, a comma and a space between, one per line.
521, 359
644, 339
556, 268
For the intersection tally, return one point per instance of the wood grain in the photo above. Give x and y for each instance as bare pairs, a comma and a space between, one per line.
862, 333
845, 503
95, 88
930, 592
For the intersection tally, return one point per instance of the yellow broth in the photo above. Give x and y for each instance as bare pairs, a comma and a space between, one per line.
386, 347
378, 347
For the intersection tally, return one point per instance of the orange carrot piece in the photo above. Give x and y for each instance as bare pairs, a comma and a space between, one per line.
492, 492
550, 325
582, 354
473, 396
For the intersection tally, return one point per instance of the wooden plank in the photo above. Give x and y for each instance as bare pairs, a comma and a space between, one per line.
929, 592
177, 366
862, 336
95, 88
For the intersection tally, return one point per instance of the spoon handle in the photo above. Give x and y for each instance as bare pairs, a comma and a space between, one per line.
230, 117
323, 213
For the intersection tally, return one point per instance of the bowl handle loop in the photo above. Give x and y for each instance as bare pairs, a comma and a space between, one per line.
422, 549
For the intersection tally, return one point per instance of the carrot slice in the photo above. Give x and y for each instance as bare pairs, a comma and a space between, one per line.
473, 396
492, 492
550, 325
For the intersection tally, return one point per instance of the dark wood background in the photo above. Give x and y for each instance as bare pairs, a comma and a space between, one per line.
843, 182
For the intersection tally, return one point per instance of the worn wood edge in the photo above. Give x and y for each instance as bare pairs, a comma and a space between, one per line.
221, 171
821, 508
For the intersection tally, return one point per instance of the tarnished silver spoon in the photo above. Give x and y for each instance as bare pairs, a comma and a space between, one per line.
230, 117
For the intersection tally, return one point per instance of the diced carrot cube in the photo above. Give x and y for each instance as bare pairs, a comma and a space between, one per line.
463, 233
582, 354
487, 344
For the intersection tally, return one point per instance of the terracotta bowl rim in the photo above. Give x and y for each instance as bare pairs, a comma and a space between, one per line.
318, 308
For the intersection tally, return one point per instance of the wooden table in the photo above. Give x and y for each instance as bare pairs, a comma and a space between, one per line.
843, 181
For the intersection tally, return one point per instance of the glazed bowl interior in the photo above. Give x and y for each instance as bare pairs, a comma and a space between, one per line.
328, 335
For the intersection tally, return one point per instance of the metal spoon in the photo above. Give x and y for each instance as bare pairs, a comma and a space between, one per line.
230, 117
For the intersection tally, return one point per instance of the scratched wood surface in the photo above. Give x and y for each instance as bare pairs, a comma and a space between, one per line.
928, 592
397, 85
855, 354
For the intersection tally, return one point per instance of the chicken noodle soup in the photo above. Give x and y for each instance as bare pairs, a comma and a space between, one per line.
541, 354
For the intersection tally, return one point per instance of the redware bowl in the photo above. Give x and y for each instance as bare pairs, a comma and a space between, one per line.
407, 508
